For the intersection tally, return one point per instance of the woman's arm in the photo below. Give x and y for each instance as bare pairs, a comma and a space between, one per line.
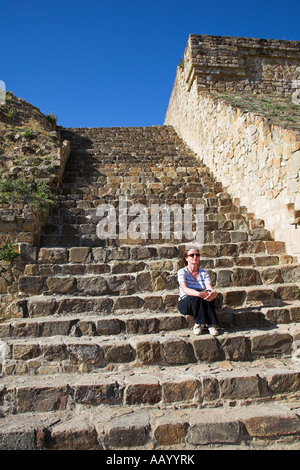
211, 294
193, 292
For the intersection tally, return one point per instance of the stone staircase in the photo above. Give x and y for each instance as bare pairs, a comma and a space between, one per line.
98, 357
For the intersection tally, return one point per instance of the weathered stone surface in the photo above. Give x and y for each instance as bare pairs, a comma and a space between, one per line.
181, 390
118, 353
41, 399
210, 432
207, 349
52, 255
245, 277
235, 348
177, 351
128, 431
92, 286
26, 351
31, 284
170, 433
148, 352
271, 344
84, 353
110, 393
240, 387
76, 434
79, 254
272, 426
147, 392
283, 382
111, 326
60, 285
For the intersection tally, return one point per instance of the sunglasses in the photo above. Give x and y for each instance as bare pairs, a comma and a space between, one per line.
193, 254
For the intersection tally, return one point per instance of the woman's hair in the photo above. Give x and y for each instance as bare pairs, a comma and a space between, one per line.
184, 256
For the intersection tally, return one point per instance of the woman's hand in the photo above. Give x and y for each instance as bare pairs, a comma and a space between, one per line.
209, 295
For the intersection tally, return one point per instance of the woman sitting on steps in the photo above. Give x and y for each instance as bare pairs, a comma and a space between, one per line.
196, 294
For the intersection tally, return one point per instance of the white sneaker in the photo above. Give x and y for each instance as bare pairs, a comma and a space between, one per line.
213, 331
197, 329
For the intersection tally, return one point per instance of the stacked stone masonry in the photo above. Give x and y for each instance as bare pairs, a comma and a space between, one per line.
97, 355
258, 162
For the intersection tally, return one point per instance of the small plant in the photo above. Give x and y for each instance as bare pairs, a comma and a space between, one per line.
12, 113
29, 133
181, 63
51, 118
44, 197
8, 253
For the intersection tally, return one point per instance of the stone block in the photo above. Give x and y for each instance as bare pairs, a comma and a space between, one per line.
74, 434
84, 353
170, 433
41, 307
41, 399
271, 275
148, 352
219, 430
270, 344
131, 302
236, 348
54, 352
176, 351
92, 285
274, 247
210, 389
31, 284
260, 295
61, 285
181, 390
111, 326
207, 349
245, 277
128, 431
240, 387
53, 255
290, 274
26, 351
287, 292
147, 391
234, 298
142, 325
118, 353
110, 393
153, 303
79, 254
283, 382
272, 425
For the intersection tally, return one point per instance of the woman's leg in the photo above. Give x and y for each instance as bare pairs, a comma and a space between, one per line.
202, 311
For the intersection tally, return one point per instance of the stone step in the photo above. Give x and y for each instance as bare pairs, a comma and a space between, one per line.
272, 296
124, 278
126, 254
65, 354
207, 385
163, 273
139, 322
275, 426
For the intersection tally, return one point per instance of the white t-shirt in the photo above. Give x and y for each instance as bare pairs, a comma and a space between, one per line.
203, 279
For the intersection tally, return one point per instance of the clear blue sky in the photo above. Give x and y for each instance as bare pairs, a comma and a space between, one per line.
113, 63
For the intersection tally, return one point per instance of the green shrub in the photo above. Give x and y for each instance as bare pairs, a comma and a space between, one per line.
7, 253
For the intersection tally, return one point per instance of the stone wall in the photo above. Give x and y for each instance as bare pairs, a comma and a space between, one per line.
31, 152
257, 161
242, 64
